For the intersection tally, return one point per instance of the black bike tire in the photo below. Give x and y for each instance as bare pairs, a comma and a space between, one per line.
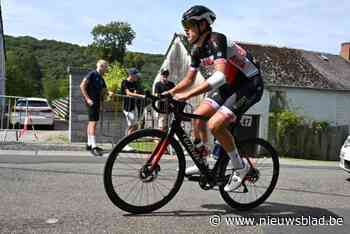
247, 206
109, 188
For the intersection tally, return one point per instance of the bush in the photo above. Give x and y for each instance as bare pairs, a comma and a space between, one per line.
282, 123
114, 76
288, 121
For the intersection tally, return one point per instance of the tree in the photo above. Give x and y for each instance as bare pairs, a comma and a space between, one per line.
134, 60
23, 74
51, 90
110, 40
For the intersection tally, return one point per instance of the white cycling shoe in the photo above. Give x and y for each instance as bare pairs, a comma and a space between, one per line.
236, 178
194, 169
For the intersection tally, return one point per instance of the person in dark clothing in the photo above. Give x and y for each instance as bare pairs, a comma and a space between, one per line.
93, 88
129, 88
162, 86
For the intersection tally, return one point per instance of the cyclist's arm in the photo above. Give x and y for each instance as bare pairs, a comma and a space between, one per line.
216, 80
185, 83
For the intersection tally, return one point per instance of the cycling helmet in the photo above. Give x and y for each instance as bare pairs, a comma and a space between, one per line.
196, 14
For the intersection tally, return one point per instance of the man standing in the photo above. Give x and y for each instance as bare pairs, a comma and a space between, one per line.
129, 89
161, 86
93, 88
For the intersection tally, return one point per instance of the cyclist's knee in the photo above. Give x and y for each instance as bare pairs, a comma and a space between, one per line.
216, 123
221, 120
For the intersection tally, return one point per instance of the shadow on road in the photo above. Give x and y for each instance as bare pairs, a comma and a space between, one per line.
268, 209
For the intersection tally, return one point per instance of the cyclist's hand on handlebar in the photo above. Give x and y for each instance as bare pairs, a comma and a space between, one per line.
167, 93
181, 97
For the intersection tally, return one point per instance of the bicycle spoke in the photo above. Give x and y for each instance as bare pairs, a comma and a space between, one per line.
125, 183
132, 189
259, 182
128, 169
159, 190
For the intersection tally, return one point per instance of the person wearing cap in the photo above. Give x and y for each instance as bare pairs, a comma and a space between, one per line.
162, 86
130, 90
93, 88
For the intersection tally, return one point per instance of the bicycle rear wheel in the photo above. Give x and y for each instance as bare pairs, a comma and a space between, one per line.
260, 180
128, 181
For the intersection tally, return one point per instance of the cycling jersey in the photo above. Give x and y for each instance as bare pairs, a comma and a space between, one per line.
239, 63
244, 86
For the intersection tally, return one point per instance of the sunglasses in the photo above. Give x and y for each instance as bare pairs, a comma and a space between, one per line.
187, 24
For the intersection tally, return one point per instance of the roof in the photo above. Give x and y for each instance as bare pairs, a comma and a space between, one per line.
283, 66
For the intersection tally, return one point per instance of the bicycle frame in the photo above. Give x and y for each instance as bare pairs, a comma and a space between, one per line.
176, 129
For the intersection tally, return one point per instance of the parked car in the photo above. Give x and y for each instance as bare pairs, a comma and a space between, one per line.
345, 155
36, 111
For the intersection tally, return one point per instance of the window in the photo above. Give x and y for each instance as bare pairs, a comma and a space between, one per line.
23, 103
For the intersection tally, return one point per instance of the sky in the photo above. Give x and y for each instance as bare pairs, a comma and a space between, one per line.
316, 25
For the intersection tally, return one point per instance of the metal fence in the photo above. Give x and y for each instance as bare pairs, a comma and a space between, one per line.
15, 118
7, 118
61, 108
113, 119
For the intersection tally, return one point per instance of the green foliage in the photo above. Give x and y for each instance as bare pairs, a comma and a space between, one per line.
134, 60
319, 126
287, 121
23, 74
48, 60
110, 40
63, 87
44, 60
114, 77
284, 122
150, 69
51, 91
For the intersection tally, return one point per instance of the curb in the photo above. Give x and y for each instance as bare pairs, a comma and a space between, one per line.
47, 153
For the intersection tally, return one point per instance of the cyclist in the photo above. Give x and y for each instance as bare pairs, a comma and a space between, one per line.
234, 82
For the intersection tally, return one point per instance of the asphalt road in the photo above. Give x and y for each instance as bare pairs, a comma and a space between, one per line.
65, 194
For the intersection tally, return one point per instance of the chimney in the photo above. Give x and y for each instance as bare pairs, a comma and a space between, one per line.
345, 50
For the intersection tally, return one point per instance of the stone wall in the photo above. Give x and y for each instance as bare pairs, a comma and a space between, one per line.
112, 124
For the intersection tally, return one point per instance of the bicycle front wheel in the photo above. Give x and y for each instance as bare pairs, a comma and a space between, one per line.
260, 180
132, 179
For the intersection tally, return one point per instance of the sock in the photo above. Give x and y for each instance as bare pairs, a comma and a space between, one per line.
89, 140
93, 141
236, 160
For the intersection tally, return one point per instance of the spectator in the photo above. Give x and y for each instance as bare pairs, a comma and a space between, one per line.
93, 87
161, 86
129, 88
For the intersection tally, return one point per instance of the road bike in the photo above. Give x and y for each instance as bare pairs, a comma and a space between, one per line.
148, 176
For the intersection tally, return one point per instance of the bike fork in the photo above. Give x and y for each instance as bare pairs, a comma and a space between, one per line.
159, 150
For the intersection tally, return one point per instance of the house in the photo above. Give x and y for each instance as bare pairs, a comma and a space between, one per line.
315, 85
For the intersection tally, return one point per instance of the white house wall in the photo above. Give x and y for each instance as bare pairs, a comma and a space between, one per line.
320, 105
343, 109
177, 61
262, 108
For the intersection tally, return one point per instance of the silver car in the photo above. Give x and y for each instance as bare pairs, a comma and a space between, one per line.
33, 111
